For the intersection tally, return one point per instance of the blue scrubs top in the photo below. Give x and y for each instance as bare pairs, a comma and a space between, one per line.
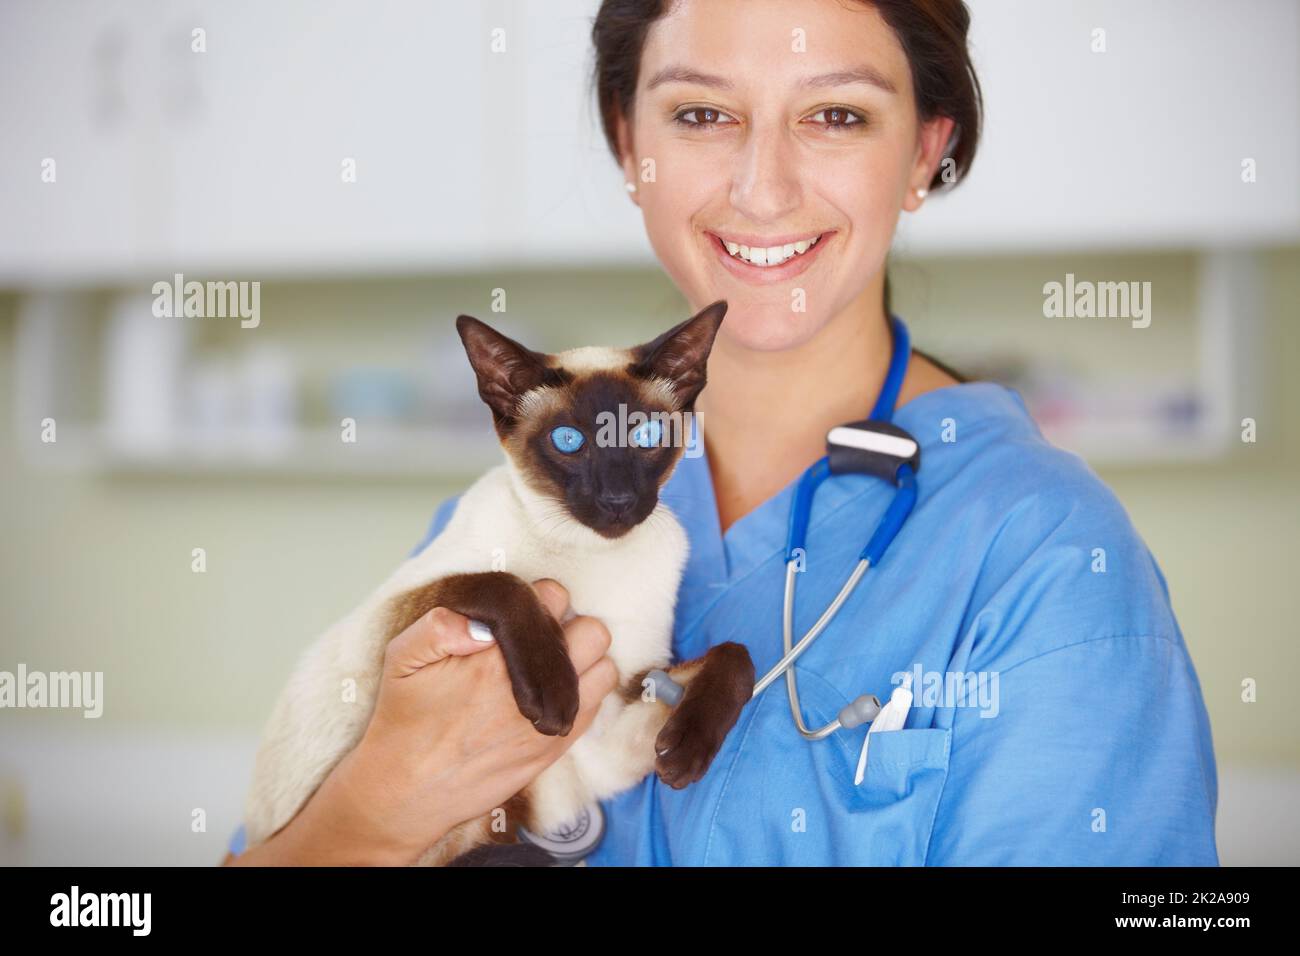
1057, 720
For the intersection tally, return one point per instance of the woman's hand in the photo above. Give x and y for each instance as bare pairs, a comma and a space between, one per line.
445, 744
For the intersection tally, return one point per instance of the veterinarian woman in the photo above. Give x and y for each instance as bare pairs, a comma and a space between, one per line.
1082, 737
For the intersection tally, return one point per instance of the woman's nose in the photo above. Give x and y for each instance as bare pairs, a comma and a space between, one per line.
764, 185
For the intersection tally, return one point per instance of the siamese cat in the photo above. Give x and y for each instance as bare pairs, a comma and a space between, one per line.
571, 502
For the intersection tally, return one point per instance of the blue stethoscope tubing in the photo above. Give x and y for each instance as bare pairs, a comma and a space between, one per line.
902, 470
866, 707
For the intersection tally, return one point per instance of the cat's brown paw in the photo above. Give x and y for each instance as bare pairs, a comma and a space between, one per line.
693, 735
542, 677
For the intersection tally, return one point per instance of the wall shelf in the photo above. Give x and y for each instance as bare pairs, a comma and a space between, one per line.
148, 430
380, 451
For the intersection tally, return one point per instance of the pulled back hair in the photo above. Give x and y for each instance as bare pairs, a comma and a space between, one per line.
932, 34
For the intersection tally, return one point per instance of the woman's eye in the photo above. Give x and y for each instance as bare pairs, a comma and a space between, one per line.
648, 435
567, 439
702, 116
837, 117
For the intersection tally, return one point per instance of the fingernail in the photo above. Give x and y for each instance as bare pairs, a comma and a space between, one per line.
480, 632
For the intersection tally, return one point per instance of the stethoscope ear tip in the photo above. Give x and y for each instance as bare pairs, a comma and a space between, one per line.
860, 711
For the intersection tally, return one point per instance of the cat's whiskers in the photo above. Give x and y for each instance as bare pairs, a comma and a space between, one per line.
556, 516
658, 523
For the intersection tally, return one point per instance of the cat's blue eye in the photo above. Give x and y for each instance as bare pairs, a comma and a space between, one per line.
567, 439
648, 435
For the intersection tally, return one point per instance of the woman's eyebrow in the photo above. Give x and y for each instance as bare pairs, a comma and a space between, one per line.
682, 74
861, 74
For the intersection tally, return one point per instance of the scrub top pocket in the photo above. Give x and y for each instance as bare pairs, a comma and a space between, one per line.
899, 762
905, 773
796, 804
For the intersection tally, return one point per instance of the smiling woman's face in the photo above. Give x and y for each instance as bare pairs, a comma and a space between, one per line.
778, 175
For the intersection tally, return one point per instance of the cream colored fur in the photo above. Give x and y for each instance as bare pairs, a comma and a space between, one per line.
500, 524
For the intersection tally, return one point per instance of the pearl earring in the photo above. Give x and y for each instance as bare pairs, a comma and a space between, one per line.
922, 193
630, 187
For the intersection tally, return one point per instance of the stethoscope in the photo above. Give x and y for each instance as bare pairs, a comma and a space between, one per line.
874, 447
871, 447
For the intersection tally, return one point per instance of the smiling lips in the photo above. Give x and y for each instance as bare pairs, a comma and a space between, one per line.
776, 261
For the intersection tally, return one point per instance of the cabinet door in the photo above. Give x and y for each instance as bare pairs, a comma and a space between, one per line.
244, 139
333, 136
575, 208
1141, 145
77, 182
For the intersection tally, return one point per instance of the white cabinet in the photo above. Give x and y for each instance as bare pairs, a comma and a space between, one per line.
239, 159
78, 190
338, 136
230, 161
1139, 146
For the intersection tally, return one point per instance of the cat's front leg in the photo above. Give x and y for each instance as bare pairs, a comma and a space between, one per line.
532, 642
628, 737
717, 687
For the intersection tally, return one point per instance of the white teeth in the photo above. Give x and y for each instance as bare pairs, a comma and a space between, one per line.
772, 255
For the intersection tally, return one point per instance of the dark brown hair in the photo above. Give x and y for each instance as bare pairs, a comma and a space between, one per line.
931, 32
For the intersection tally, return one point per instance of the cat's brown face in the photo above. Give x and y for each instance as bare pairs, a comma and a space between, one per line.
597, 430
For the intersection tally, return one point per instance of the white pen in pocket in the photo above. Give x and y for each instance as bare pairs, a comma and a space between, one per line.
891, 717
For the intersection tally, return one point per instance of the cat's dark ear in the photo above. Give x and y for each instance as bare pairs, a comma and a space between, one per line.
681, 354
505, 369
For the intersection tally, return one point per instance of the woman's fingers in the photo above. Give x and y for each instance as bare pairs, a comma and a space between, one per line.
593, 685
442, 633
597, 681
554, 597
588, 641
437, 634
